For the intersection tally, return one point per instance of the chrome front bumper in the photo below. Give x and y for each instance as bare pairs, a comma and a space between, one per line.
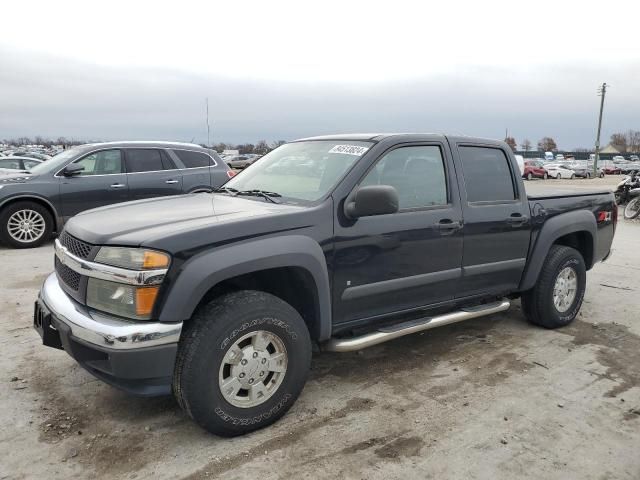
104, 330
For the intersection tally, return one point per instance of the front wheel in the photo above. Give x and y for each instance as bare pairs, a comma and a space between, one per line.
242, 361
529, 176
558, 177
572, 176
632, 210
556, 298
601, 174
25, 225
588, 175
545, 176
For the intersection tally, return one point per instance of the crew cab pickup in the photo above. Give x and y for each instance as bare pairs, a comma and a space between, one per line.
339, 242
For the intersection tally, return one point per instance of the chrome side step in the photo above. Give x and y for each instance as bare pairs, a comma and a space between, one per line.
389, 333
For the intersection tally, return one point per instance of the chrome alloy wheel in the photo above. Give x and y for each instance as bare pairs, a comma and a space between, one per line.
26, 226
253, 369
565, 288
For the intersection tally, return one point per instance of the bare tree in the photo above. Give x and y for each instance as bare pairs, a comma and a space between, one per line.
526, 145
261, 148
547, 144
619, 141
511, 142
277, 144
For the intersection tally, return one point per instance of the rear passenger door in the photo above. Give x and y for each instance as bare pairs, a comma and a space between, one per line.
497, 227
151, 173
196, 170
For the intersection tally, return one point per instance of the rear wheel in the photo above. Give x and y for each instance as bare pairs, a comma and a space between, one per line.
572, 176
242, 362
601, 175
558, 176
588, 175
545, 176
529, 176
632, 210
25, 225
556, 298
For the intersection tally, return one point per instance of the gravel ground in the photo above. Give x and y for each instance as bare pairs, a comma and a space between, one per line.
490, 398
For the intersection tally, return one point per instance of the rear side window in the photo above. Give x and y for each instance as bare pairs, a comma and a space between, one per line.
487, 175
146, 160
14, 164
193, 159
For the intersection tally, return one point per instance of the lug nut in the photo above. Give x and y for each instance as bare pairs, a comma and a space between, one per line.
264, 360
261, 374
255, 354
243, 362
251, 380
241, 375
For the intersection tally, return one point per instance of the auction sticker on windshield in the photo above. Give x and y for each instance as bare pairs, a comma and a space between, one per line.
349, 149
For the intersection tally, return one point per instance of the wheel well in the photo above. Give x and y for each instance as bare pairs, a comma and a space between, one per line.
581, 241
39, 201
294, 285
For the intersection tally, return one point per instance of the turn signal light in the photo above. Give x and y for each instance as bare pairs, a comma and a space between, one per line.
154, 259
145, 298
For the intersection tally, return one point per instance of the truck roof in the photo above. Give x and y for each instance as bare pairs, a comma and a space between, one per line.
376, 137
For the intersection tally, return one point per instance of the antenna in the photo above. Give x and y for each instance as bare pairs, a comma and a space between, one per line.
208, 131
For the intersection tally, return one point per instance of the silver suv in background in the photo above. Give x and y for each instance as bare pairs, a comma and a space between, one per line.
38, 201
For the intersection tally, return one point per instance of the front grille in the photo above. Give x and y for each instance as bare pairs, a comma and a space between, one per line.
68, 276
76, 247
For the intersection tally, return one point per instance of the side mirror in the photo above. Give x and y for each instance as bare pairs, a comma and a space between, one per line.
72, 169
372, 200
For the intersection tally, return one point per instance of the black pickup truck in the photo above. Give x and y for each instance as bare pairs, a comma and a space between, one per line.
339, 242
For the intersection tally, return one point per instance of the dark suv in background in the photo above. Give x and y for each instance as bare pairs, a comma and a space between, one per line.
37, 202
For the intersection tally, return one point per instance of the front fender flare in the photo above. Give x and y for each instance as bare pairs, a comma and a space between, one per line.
202, 272
552, 230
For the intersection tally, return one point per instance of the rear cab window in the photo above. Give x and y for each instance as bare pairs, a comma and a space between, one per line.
192, 159
487, 175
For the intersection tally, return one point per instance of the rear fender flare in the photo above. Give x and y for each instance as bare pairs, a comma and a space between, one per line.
552, 230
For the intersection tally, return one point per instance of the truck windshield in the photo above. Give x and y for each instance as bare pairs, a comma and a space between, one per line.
304, 171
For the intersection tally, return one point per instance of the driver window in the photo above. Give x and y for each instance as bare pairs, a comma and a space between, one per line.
105, 162
417, 173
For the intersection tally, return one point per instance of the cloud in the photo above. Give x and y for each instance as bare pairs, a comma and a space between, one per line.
43, 94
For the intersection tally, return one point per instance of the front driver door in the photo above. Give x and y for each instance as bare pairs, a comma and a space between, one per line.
102, 182
409, 259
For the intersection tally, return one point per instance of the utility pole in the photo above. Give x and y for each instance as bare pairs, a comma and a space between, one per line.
602, 91
208, 132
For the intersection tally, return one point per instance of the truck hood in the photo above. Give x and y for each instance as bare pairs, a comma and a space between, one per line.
150, 222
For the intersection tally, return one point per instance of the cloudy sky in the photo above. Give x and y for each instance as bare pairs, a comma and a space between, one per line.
286, 69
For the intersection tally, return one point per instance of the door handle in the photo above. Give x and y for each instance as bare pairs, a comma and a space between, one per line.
171, 182
448, 226
118, 185
516, 219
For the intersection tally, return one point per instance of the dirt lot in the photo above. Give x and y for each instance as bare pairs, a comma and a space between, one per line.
490, 398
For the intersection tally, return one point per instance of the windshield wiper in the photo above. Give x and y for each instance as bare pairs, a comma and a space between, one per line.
259, 193
230, 190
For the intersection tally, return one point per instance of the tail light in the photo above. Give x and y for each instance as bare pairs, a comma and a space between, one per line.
231, 173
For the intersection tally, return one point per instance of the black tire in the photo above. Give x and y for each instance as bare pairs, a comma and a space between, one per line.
632, 209
204, 343
572, 176
558, 177
545, 176
537, 303
601, 175
529, 176
25, 206
588, 175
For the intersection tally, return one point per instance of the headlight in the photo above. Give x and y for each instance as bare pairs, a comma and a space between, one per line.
123, 300
132, 258
130, 301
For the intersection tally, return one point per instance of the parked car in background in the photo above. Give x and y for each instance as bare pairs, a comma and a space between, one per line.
18, 163
609, 167
585, 170
38, 201
558, 171
634, 158
548, 156
37, 155
241, 161
618, 158
534, 169
559, 157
